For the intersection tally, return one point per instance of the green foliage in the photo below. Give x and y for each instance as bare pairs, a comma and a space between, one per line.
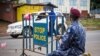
95, 4
90, 23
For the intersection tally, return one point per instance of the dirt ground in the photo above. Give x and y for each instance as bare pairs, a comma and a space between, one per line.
3, 27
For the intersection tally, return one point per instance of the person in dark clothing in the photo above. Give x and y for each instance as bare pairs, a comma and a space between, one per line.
73, 41
52, 18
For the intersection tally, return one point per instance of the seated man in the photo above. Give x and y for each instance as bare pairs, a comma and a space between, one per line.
73, 41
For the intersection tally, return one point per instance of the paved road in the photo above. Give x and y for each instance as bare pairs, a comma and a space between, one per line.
14, 46
93, 42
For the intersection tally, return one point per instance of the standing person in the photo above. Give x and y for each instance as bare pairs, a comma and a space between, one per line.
73, 41
52, 18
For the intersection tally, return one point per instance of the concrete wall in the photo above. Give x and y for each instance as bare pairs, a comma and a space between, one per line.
7, 12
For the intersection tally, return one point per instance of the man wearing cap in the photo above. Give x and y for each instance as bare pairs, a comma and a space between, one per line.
73, 41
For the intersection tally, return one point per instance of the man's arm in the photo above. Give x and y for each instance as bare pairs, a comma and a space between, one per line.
67, 36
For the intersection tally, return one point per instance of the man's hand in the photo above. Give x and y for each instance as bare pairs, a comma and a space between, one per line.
58, 37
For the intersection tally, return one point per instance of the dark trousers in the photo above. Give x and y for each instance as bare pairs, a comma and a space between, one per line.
68, 52
51, 28
54, 53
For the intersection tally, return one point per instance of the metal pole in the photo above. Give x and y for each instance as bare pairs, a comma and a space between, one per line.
47, 36
62, 24
23, 53
56, 32
26, 32
23, 36
33, 31
29, 33
51, 35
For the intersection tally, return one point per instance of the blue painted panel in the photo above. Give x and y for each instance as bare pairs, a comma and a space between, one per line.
40, 34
